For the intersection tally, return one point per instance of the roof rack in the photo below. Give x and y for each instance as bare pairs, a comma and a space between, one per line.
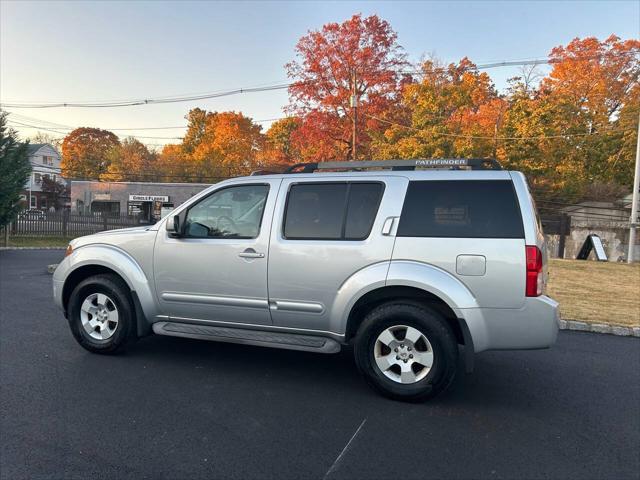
443, 163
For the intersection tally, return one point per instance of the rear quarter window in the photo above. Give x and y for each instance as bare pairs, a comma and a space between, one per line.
461, 209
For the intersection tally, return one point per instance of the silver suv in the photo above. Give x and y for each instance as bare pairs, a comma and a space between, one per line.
409, 261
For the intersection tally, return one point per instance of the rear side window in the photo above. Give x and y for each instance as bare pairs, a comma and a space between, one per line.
331, 211
461, 209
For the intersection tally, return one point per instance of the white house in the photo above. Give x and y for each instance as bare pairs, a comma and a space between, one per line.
45, 162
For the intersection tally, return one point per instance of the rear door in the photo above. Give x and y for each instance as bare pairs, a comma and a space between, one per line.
470, 227
325, 230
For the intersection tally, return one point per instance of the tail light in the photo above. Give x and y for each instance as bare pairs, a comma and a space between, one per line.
534, 272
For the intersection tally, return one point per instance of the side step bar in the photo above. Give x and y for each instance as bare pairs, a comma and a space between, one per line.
290, 341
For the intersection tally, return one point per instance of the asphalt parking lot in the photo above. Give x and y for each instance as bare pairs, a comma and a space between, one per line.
178, 408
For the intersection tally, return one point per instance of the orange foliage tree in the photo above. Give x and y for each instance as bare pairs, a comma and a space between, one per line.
130, 161
587, 107
86, 152
216, 145
358, 57
279, 145
453, 111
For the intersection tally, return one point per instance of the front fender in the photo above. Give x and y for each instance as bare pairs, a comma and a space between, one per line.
113, 258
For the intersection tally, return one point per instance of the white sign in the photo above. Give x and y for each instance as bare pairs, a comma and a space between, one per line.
102, 196
148, 198
599, 248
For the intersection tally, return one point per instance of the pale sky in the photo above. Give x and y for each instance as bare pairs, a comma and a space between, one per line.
98, 51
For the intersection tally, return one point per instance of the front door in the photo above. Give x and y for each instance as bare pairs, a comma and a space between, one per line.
217, 271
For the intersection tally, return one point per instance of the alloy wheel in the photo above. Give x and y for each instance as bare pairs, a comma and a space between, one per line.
99, 316
403, 354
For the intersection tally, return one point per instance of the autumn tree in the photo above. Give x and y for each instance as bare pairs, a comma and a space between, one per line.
174, 164
359, 57
228, 145
578, 126
216, 145
280, 147
453, 111
130, 161
86, 152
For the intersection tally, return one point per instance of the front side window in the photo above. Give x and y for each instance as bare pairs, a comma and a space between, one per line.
331, 211
234, 212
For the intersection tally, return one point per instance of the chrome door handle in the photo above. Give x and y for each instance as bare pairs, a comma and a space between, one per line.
250, 253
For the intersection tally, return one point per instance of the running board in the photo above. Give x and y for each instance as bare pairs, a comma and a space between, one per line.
290, 341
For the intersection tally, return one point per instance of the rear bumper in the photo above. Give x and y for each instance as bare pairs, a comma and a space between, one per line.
533, 326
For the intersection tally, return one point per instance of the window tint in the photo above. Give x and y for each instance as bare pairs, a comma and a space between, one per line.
315, 211
234, 212
463, 209
364, 199
331, 211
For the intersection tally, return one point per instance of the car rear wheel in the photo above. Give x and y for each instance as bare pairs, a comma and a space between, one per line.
101, 314
406, 351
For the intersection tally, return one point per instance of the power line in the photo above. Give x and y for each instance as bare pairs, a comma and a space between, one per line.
46, 123
283, 86
15, 122
148, 101
487, 137
518, 63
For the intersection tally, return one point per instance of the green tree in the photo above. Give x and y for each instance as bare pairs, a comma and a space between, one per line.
14, 171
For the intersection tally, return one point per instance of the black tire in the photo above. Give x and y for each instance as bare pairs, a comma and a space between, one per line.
438, 333
119, 295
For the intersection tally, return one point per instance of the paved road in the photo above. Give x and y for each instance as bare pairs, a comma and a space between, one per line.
178, 408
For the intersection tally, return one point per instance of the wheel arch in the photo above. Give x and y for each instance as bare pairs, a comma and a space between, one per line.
102, 259
400, 293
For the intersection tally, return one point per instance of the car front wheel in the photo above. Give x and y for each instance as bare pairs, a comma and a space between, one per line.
101, 314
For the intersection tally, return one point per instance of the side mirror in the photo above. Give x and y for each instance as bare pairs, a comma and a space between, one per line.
173, 225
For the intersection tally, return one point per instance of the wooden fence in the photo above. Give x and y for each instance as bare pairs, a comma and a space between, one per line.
66, 224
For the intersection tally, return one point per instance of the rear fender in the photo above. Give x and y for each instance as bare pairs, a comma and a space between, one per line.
446, 287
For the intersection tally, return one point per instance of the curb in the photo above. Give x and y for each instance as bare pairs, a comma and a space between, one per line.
600, 328
33, 248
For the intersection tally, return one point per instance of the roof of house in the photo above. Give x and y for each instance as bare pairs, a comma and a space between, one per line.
34, 147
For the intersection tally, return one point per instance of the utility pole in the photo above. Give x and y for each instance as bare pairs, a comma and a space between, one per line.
354, 114
635, 199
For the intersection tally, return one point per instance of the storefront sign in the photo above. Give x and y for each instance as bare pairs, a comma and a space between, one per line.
148, 198
102, 196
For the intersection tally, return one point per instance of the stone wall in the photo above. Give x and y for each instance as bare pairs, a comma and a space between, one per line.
614, 236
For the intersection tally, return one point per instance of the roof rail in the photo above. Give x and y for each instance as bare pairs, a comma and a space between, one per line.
443, 163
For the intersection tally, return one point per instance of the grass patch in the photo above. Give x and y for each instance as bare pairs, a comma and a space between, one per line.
38, 241
596, 292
